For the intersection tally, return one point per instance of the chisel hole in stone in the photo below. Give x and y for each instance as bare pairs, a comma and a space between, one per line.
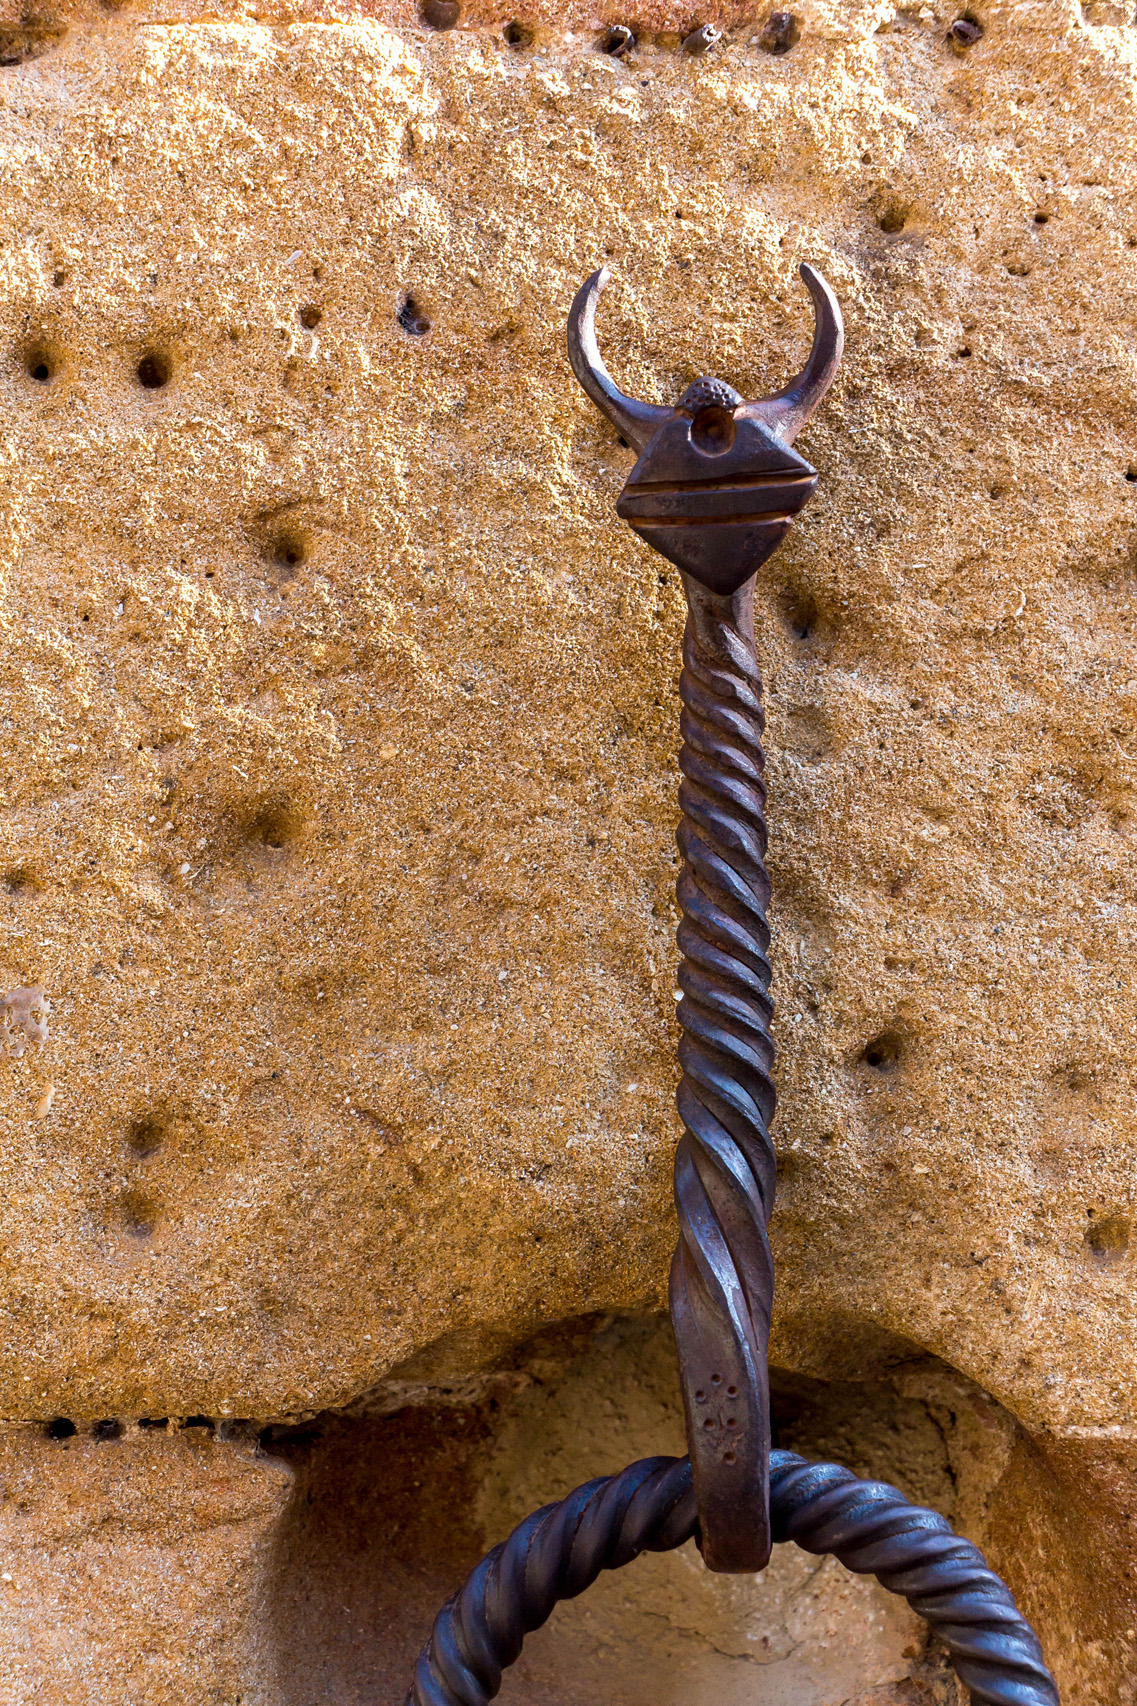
154, 370
1107, 1239
885, 1052
412, 317
441, 14
289, 551
146, 1136
799, 613
619, 40
21, 883
273, 825
138, 1213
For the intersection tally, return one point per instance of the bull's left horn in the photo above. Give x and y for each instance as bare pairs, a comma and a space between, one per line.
634, 420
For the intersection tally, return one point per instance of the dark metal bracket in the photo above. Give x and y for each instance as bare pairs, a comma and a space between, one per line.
715, 489
716, 485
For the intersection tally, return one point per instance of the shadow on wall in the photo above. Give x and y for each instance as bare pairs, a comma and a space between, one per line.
390, 1511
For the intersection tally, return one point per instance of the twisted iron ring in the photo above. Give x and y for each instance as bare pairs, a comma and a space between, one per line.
650, 1507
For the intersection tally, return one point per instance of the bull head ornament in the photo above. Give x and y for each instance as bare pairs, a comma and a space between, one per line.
717, 483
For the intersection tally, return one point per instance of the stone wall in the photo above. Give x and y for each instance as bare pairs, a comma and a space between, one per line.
337, 799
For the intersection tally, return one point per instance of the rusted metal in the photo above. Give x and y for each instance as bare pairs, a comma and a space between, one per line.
963, 34
716, 486
701, 40
780, 33
619, 40
650, 1507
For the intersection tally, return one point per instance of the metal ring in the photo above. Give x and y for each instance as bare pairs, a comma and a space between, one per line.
650, 1507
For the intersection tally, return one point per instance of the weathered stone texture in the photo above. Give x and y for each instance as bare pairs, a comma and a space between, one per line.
134, 1568
338, 767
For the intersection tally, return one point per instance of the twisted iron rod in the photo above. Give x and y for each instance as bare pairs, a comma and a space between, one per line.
715, 487
722, 1275
650, 1507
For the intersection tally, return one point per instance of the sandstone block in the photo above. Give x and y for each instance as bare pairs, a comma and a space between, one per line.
338, 712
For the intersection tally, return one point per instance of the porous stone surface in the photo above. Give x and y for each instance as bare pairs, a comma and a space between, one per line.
134, 1565
338, 775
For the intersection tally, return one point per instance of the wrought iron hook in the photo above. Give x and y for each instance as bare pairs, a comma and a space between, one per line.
716, 485
635, 421
715, 488
787, 411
